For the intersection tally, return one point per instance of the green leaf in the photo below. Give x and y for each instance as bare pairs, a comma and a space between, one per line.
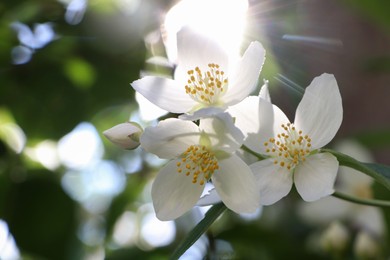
379, 168
211, 215
380, 173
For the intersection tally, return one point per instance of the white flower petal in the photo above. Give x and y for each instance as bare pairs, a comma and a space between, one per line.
173, 193
247, 157
320, 112
223, 134
202, 113
247, 122
257, 119
147, 110
236, 185
164, 93
264, 92
315, 177
243, 81
275, 182
271, 118
197, 50
209, 199
170, 137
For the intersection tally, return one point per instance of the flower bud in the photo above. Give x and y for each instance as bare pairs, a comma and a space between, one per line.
366, 247
335, 238
125, 135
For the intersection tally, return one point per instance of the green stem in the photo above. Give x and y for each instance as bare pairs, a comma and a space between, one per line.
259, 156
350, 162
378, 203
211, 215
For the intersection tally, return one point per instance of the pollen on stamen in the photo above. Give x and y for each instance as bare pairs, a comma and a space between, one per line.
289, 148
206, 87
200, 163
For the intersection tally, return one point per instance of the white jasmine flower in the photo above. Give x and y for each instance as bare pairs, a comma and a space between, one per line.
292, 148
199, 154
240, 112
125, 135
205, 77
335, 238
354, 183
366, 247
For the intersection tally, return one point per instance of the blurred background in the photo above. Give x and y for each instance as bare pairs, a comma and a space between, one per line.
65, 69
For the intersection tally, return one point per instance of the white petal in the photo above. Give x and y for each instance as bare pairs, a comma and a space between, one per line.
274, 181
236, 185
197, 50
248, 123
243, 81
223, 134
315, 177
247, 157
164, 93
44, 34
173, 193
209, 199
202, 113
147, 110
170, 138
320, 112
258, 120
25, 35
124, 135
264, 92
271, 118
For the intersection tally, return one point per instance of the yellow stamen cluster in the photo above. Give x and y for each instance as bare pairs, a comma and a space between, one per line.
199, 162
289, 148
206, 87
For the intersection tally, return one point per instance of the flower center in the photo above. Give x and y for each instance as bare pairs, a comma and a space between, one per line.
199, 162
289, 148
206, 87
363, 191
